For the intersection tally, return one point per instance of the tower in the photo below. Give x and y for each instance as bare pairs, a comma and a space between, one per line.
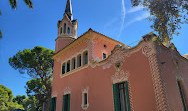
67, 28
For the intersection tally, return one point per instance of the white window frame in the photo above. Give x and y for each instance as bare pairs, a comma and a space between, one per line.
85, 106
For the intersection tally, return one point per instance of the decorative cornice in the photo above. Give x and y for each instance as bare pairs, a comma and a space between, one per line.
120, 76
65, 38
67, 90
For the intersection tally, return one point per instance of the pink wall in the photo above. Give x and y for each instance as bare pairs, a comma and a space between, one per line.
62, 42
170, 72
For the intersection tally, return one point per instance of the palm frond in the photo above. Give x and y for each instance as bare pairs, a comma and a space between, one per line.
13, 4
29, 3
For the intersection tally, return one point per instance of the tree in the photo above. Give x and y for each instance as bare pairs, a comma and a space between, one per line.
167, 16
38, 64
13, 3
19, 99
31, 104
6, 103
36, 88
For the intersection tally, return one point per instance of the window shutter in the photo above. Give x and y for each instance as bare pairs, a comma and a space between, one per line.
68, 102
51, 104
182, 95
54, 103
64, 103
127, 96
116, 97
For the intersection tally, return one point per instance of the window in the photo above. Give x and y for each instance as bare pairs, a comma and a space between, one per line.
68, 66
121, 97
182, 94
53, 104
85, 58
104, 56
66, 102
79, 60
68, 30
85, 103
65, 26
63, 68
84, 100
73, 63
105, 46
61, 30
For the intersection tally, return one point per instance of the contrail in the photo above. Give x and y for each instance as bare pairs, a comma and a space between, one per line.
123, 11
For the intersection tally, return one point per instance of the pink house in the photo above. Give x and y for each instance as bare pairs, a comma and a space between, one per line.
96, 73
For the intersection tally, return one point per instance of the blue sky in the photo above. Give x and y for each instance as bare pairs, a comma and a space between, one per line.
26, 28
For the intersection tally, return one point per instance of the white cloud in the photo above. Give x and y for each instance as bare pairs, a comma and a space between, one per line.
139, 18
135, 9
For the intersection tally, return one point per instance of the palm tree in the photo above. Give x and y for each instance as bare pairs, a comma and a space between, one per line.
13, 3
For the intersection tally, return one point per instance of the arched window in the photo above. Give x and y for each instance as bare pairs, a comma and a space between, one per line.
68, 66
104, 56
63, 68
79, 61
85, 58
68, 30
65, 26
61, 30
73, 63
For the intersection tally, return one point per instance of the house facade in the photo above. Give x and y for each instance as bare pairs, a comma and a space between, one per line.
96, 73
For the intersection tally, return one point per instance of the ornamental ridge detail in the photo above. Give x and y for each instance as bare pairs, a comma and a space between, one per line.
148, 50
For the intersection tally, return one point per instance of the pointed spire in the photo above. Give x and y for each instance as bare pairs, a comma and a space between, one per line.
68, 10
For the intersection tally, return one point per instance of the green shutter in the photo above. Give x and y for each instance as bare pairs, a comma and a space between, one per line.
64, 103
182, 96
68, 102
51, 105
63, 69
116, 97
127, 96
54, 104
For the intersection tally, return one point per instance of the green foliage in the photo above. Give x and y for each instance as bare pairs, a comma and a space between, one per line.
13, 3
6, 103
35, 88
38, 63
31, 104
167, 16
19, 99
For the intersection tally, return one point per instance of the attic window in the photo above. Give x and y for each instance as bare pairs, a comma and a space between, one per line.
65, 26
104, 56
61, 30
68, 30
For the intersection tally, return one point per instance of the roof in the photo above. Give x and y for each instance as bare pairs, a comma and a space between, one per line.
68, 10
90, 30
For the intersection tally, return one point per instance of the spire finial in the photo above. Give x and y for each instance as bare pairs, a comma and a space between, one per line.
68, 10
